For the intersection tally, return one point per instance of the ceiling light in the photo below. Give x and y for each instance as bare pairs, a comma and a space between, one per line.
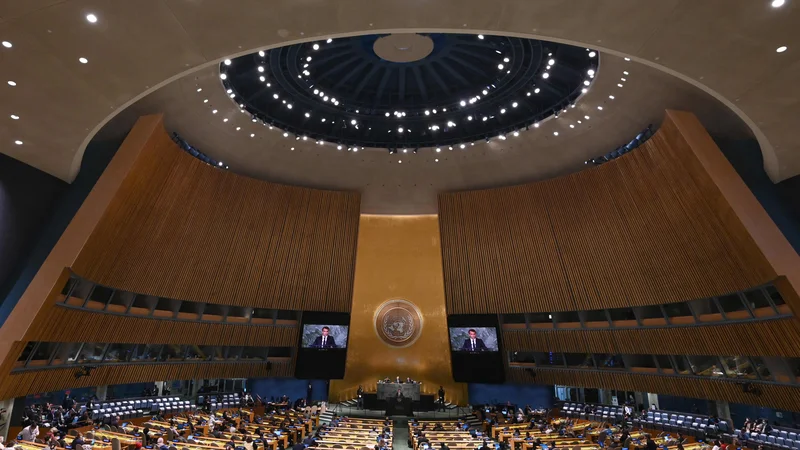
387, 114
315, 47
225, 119
480, 36
15, 117
781, 49
91, 18
227, 62
551, 62
308, 59
275, 96
289, 106
353, 122
611, 97
305, 138
199, 89
338, 147
536, 91
308, 114
590, 72
555, 133
619, 84
586, 82
584, 90
329, 40
260, 68
469, 117
436, 160
571, 126
213, 111
462, 146
528, 94
262, 78
502, 137
18, 142
238, 128
292, 149
261, 53
232, 95
427, 113
438, 150
592, 54
778, 3
485, 118
503, 111
600, 108
545, 75
623, 79
222, 76
400, 130
83, 60
506, 60
205, 100
516, 133
7, 44
586, 117
485, 92
285, 134
627, 59
500, 66
625, 72
536, 125
355, 149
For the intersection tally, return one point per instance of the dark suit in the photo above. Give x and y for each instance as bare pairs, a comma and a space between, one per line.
329, 342
479, 345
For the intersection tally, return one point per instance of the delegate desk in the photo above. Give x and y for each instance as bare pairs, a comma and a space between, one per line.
389, 390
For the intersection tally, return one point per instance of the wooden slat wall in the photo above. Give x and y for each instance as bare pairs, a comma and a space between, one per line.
99, 327
648, 228
779, 337
773, 396
181, 229
33, 382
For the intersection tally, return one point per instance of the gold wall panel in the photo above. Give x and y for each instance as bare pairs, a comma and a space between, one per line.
398, 258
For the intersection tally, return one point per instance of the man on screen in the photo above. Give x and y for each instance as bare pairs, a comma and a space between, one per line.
324, 341
473, 344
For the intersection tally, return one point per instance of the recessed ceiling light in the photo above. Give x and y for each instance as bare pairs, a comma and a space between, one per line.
225, 119
586, 82
238, 128
627, 59
436, 160
778, 3
83, 60
551, 62
15, 117
438, 149
555, 133
260, 68
480, 36
571, 126
545, 75
7, 44
586, 117
514, 105
91, 18
18, 142
503, 111
600, 108
315, 47
619, 84
623, 79
625, 72
462, 146
781, 49
500, 66
227, 62
223, 76
611, 97
205, 100
536, 125
199, 89
355, 149
213, 111
261, 53
12, 83
592, 54
289, 106
292, 149
329, 40
275, 96
590, 72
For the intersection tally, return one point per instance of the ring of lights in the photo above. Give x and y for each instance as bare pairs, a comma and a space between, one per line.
468, 88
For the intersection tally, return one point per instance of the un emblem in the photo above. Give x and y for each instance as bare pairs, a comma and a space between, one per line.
398, 323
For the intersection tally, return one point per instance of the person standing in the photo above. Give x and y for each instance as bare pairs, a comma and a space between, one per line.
441, 398
360, 397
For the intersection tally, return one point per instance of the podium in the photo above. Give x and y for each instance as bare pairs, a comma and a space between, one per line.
389, 390
399, 407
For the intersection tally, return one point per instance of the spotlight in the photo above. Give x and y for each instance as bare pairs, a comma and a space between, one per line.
590, 72
353, 122
262, 78
463, 103
536, 125
400, 130
516, 133
315, 47
338, 147
536, 91
502, 137
545, 75
778, 3
514, 105
463, 146
427, 113
551, 62
438, 149
592, 54
503, 111
781, 49
227, 62
586, 82
260, 68
469, 117
261, 53
329, 40
480, 36
285, 134
91, 18
500, 66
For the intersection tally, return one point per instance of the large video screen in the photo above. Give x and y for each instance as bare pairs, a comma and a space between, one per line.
473, 339
324, 336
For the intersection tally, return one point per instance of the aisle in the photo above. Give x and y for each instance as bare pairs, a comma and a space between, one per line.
400, 438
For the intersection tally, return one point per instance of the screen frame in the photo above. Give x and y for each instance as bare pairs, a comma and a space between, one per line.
321, 363
477, 367
477, 328
322, 325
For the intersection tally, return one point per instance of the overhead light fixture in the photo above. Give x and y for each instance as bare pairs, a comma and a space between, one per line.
18, 142
516, 133
586, 82
625, 72
781, 49
83, 60
469, 117
15, 117
262, 78
400, 130
261, 53
778, 3
289, 106
584, 90
555, 133
213, 111
536, 91
627, 59
225, 119
7, 44
571, 126
506, 60
315, 46
205, 100
91, 18
514, 105
586, 117
590, 72
436, 160
260, 68
480, 36
227, 62
545, 75
500, 66
592, 54
438, 149
222, 76
619, 84
600, 108
551, 62
238, 128
338, 147
536, 125
503, 111
275, 96
611, 97
329, 40
463, 146
285, 134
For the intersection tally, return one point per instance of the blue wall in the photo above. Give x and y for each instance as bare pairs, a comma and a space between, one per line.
294, 388
740, 412
64, 207
519, 394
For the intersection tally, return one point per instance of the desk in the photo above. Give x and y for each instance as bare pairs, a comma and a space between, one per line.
386, 390
395, 407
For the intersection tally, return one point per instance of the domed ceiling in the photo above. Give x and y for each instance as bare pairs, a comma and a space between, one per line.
408, 90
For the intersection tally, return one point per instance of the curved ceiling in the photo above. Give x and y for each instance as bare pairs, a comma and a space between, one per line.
726, 47
439, 89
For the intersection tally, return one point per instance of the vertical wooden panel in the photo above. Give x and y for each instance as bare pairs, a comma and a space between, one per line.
647, 228
179, 228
